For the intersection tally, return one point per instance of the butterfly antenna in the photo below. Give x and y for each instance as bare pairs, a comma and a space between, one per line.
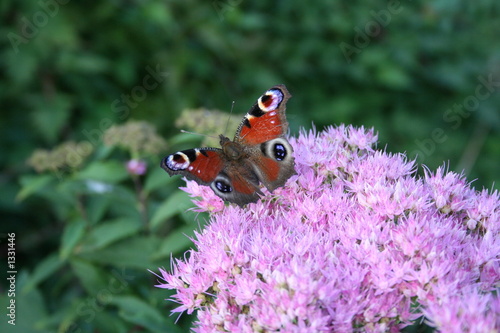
200, 134
229, 118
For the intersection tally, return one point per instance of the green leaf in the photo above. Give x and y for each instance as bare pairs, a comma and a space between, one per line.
136, 311
393, 77
175, 204
110, 322
97, 206
135, 252
51, 115
124, 202
71, 305
73, 232
102, 152
157, 178
110, 231
178, 240
43, 270
31, 184
184, 139
91, 277
105, 171
84, 62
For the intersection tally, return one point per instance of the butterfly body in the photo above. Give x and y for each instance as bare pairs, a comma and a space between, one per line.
259, 154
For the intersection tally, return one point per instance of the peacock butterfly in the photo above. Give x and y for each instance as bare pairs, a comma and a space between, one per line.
259, 153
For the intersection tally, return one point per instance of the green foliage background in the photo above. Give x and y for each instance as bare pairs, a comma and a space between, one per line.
71, 69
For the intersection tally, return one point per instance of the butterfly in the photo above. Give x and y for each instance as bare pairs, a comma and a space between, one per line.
259, 154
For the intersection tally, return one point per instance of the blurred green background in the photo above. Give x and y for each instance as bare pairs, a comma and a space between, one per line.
424, 74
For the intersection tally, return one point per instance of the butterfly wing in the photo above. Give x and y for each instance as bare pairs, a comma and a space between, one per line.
262, 134
209, 166
237, 183
266, 119
199, 164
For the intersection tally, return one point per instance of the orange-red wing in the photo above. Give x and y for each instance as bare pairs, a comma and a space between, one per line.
207, 165
200, 164
262, 129
271, 167
266, 119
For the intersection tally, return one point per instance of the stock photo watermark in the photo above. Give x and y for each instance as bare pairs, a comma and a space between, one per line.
88, 309
11, 278
32, 24
372, 29
456, 114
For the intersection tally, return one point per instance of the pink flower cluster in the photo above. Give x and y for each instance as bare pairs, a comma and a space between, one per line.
355, 242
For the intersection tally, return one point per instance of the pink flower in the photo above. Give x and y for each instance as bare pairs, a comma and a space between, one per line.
465, 311
136, 167
356, 241
209, 202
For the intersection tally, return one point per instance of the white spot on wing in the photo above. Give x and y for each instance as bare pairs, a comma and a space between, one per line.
276, 98
173, 165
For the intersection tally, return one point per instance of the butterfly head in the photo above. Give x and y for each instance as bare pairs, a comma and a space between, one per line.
223, 140
232, 150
